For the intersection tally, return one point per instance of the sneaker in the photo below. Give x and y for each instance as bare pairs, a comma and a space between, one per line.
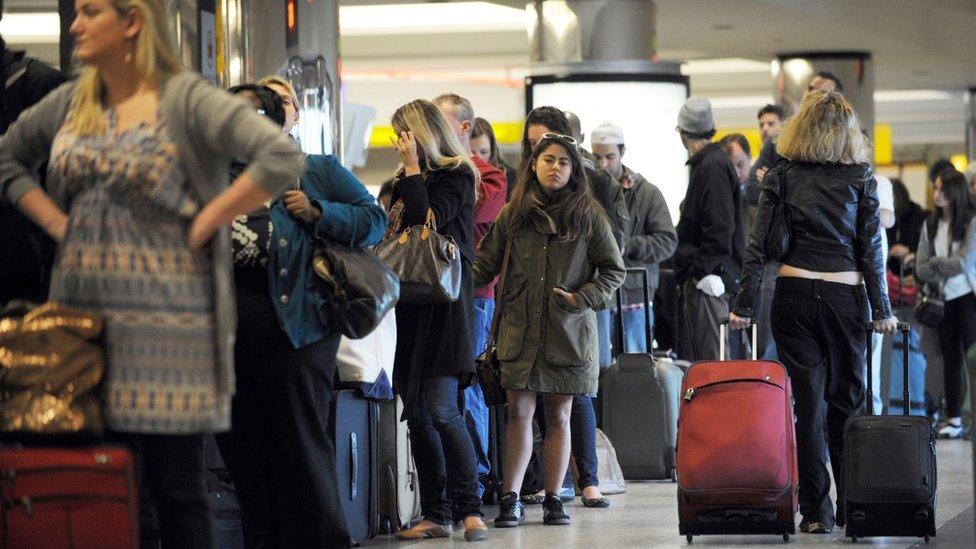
951, 431
553, 512
426, 530
511, 512
808, 527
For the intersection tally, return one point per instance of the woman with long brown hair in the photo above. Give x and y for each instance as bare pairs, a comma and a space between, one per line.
137, 187
564, 264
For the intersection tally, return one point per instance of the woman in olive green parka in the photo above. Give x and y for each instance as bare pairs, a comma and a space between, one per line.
564, 265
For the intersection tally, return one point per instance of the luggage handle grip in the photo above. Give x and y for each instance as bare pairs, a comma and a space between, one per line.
647, 310
905, 328
354, 476
723, 325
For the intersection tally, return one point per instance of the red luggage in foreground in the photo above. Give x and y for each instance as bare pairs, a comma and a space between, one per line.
736, 454
83, 497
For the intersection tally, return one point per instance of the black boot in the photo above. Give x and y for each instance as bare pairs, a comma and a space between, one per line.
553, 513
511, 513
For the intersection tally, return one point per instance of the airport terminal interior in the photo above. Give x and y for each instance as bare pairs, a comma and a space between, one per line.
626, 69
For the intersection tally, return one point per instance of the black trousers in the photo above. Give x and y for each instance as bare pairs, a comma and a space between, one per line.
174, 509
819, 328
279, 452
957, 333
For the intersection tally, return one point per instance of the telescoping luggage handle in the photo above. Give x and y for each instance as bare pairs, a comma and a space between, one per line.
647, 311
722, 327
905, 329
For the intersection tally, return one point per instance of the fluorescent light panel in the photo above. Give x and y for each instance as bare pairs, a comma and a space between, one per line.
31, 28
437, 18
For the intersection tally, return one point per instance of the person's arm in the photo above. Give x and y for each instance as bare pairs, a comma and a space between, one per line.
963, 261
350, 215
39, 207
622, 224
603, 253
443, 192
491, 194
754, 260
717, 225
659, 239
924, 270
867, 249
226, 125
764, 162
488, 262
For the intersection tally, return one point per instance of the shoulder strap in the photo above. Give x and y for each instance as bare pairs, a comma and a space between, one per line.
499, 288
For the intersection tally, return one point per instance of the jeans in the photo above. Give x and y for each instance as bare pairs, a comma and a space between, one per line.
174, 508
603, 334
634, 334
582, 424
443, 452
819, 329
475, 409
957, 333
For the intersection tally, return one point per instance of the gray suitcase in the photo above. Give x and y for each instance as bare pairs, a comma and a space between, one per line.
399, 490
640, 402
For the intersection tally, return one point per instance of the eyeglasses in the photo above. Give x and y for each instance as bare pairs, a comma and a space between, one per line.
560, 137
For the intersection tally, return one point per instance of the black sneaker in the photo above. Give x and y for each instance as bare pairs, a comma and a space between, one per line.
511, 513
553, 513
808, 527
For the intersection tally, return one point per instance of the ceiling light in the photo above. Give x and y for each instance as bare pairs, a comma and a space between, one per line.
31, 28
453, 17
891, 96
740, 101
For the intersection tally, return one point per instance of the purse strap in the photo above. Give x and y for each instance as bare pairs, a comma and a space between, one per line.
499, 288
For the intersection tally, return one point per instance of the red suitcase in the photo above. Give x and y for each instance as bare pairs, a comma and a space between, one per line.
56, 497
736, 452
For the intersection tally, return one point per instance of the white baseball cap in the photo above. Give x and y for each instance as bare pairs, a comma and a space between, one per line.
607, 133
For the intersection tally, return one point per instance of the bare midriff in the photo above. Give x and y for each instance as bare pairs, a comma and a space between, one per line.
844, 277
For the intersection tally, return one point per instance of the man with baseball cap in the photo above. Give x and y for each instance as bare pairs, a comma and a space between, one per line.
652, 238
711, 231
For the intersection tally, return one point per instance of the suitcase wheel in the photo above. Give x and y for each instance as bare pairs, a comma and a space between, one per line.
786, 538
926, 539
688, 537
674, 475
853, 539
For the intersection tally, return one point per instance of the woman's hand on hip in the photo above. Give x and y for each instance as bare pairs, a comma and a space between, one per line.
739, 322
299, 206
201, 230
886, 326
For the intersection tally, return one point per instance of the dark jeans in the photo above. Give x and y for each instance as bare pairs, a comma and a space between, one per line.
279, 452
819, 328
582, 424
173, 504
443, 452
957, 333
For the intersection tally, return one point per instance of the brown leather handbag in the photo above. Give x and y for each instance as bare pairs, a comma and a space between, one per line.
427, 263
486, 365
51, 368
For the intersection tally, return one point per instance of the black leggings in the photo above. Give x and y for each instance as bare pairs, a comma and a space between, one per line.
957, 333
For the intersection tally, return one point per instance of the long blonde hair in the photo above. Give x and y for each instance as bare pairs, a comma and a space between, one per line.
153, 56
436, 139
825, 130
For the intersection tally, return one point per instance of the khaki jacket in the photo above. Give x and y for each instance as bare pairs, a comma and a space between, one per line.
543, 344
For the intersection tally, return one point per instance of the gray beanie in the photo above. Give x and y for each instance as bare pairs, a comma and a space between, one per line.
695, 117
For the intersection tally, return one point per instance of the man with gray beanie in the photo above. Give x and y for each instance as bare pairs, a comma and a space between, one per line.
711, 232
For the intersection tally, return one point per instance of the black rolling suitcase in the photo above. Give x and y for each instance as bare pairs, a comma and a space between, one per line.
640, 398
399, 489
492, 481
353, 424
889, 469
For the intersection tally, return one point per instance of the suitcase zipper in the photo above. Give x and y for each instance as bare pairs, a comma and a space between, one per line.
28, 503
691, 392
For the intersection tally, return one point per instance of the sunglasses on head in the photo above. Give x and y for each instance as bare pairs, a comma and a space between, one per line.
560, 137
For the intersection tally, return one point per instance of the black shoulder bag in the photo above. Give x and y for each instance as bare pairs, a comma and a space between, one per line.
487, 366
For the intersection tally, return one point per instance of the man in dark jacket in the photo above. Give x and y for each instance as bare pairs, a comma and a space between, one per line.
652, 237
26, 253
711, 232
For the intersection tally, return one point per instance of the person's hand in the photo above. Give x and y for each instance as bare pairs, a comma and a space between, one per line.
406, 148
201, 230
57, 227
298, 205
761, 173
739, 322
898, 250
886, 326
908, 259
569, 298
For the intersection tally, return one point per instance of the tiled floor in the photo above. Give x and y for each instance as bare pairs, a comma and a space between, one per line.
646, 517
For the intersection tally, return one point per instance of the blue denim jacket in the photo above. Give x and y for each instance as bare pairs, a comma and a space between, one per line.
350, 216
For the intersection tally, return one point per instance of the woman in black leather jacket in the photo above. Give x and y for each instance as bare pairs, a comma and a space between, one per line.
818, 214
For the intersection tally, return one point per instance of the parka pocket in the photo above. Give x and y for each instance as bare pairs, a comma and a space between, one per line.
514, 321
569, 334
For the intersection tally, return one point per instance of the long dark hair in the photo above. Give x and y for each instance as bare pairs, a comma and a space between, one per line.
483, 127
956, 192
576, 210
553, 119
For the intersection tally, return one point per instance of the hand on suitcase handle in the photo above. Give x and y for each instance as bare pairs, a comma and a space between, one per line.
736, 322
889, 325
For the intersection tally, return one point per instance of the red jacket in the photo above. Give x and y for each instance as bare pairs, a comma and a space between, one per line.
491, 197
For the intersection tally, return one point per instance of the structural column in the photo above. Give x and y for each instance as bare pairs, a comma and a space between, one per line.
971, 125
792, 73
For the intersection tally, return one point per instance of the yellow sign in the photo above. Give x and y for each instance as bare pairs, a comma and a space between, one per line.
506, 133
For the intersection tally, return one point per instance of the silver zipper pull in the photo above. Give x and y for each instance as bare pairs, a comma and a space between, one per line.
690, 393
